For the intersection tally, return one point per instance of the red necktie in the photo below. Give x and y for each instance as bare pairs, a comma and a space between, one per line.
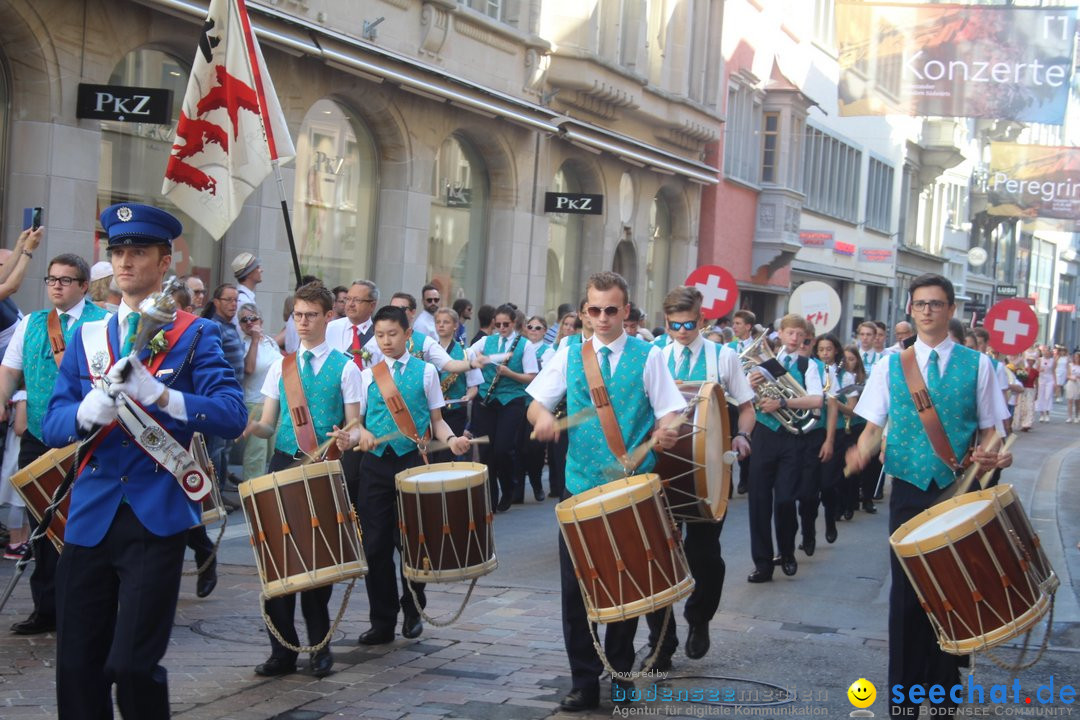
355, 347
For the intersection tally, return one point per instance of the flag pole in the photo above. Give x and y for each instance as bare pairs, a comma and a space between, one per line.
288, 221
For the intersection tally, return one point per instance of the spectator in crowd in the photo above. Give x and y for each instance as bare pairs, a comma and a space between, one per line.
485, 316
222, 310
339, 301
13, 267
551, 335
463, 308
260, 352
103, 289
248, 273
198, 292
19, 532
431, 299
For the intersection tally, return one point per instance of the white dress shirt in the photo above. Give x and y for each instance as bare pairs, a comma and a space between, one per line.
339, 333
13, 358
528, 359
549, 387
350, 374
812, 378
433, 352
424, 323
431, 383
728, 368
875, 400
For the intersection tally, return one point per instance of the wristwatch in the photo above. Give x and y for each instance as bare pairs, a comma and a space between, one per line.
783, 403
743, 435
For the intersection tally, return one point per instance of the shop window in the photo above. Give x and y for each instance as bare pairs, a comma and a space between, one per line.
564, 247
336, 193
457, 244
134, 156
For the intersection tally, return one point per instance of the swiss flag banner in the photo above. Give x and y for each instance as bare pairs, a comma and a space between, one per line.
231, 127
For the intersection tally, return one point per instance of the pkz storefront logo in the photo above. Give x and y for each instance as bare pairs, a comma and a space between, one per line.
1049, 699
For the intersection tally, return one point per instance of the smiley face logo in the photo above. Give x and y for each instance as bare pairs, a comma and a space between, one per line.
862, 693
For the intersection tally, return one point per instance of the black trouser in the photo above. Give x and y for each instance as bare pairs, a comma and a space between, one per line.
199, 541
533, 454
43, 578
557, 464
851, 485
868, 478
702, 547
585, 664
810, 470
350, 468
378, 511
914, 655
116, 603
744, 463
457, 417
501, 423
314, 604
774, 484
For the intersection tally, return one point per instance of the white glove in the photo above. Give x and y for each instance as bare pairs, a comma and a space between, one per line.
97, 408
140, 385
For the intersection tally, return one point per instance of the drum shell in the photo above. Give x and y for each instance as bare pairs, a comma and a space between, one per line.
304, 532
458, 541
36, 484
997, 553
213, 509
622, 573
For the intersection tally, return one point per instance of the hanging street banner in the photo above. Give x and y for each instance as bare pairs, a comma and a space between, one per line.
1034, 181
976, 61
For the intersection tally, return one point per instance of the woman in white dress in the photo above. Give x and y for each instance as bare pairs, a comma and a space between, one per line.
260, 352
1072, 389
1044, 399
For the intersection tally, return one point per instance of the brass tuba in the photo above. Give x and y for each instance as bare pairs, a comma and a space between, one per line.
785, 387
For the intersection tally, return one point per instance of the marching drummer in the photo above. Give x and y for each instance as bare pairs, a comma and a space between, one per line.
323, 384
643, 396
118, 579
692, 358
964, 391
400, 404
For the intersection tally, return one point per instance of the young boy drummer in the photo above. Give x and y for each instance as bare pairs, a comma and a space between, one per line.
643, 395
415, 385
331, 394
691, 358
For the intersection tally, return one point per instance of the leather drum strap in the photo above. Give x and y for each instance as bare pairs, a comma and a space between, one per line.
298, 407
928, 415
602, 402
56, 338
403, 419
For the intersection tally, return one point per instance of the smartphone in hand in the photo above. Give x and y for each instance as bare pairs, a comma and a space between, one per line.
32, 218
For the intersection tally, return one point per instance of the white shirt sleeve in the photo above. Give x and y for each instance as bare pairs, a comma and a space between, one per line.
273, 378
730, 371
549, 386
528, 362
435, 354
813, 379
993, 411
432, 388
1002, 376
475, 376
873, 405
351, 388
13, 357
663, 393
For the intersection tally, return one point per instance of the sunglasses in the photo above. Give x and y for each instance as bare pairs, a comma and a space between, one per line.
685, 325
431, 301
249, 319
595, 311
535, 327
502, 324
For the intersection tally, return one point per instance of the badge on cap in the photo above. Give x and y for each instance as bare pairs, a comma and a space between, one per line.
123, 213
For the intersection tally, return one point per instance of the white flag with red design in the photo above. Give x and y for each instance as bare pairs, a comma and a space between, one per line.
231, 127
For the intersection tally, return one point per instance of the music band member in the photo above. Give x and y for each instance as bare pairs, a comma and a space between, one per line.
687, 360
326, 383
742, 324
643, 396
458, 389
501, 409
963, 388
34, 355
118, 578
411, 385
775, 466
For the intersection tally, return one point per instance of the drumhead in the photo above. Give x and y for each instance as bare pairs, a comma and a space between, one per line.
440, 477
290, 475
946, 521
713, 414
608, 497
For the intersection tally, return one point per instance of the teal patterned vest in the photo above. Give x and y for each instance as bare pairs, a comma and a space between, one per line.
507, 389
325, 404
459, 387
39, 368
698, 371
540, 350
823, 417
662, 340
843, 379
380, 422
574, 339
589, 462
415, 345
908, 453
767, 419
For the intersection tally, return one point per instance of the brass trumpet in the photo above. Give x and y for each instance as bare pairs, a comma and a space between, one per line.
784, 387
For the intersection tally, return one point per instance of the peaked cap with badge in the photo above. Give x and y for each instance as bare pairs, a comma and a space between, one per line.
135, 224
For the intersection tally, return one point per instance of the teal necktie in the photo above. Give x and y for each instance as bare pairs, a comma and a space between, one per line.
684, 365
307, 372
65, 322
399, 367
133, 330
605, 364
933, 372
502, 345
787, 363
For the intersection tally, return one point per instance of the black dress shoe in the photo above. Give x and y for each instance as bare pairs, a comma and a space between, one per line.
848, 514
789, 565
34, 625
411, 626
741, 489
808, 546
276, 667
322, 663
539, 495
868, 506
207, 580
662, 663
830, 533
759, 576
697, 640
580, 699
376, 637
503, 506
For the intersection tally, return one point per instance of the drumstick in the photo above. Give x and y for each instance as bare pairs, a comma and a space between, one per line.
320, 452
570, 420
972, 472
383, 439
439, 445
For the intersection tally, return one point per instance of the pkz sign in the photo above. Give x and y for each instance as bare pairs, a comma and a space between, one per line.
574, 203
124, 104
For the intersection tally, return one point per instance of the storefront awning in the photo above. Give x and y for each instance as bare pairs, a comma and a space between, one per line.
300, 37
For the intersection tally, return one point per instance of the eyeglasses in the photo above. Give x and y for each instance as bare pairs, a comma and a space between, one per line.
305, 316
933, 305
357, 301
594, 311
535, 327
685, 325
502, 324
249, 319
54, 280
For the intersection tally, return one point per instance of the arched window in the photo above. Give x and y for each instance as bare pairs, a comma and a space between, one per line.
134, 156
565, 231
336, 193
625, 263
458, 227
658, 260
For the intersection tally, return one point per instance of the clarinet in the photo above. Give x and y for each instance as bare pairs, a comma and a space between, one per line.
450, 377
495, 380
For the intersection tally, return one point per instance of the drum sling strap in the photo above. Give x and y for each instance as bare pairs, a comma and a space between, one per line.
598, 392
928, 414
56, 338
303, 428
399, 411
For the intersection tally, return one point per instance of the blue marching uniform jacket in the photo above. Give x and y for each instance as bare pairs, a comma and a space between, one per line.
119, 469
